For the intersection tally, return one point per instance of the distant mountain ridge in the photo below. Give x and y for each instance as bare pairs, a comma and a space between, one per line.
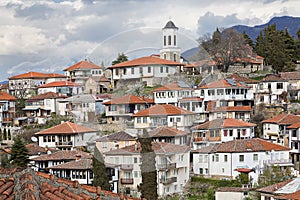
291, 23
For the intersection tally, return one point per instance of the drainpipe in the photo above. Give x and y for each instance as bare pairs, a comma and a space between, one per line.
231, 164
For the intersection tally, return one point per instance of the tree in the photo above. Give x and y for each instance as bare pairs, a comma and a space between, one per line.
226, 47
5, 161
98, 167
248, 39
148, 186
121, 58
19, 153
4, 134
274, 174
8, 134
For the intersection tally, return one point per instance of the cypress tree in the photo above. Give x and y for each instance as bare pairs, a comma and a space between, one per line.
8, 134
149, 174
98, 167
19, 153
4, 134
1, 138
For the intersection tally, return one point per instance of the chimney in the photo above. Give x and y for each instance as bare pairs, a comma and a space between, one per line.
77, 157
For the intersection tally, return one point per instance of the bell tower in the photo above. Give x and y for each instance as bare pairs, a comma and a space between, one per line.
170, 49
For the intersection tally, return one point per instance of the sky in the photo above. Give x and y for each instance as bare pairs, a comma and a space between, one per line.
50, 35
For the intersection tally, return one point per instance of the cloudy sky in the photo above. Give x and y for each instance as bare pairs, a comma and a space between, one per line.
49, 35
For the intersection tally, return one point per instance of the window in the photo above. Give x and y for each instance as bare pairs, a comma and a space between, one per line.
217, 158
144, 119
180, 158
174, 40
171, 119
200, 158
124, 71
167, 69
104, 145
169, 40
136, 174
230, 132
149, 69
255, 157
174, 57
135, 160
294, 133
139, 120
132, 70
200, 170
244, 132
165, 40
117, 72
241, 158
161, 70
225, 133
225, 158
141, 70
279, 85
178, 119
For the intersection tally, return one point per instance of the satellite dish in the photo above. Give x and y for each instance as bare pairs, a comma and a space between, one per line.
34, 139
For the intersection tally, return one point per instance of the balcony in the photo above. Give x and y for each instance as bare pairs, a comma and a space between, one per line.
167, 181
127, 167
65, 144
279, 162
166, 166
200, 139
126, 180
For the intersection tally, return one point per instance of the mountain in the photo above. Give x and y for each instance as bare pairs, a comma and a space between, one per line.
291, 23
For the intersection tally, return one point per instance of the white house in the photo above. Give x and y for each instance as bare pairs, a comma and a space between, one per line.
170, 135
271, 89
66, 136
81, 71
221, 130
293, 79
232, 193
275, 129
67, 88
294, 143
164, 115
225, 160
172, 166
7, 108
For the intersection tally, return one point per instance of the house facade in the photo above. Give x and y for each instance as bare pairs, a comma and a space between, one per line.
170, 135
7, 108
97, 85
67, 88
225, 160
65, 136
172, 166
221, 130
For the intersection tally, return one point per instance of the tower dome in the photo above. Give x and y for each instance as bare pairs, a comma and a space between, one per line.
170, 24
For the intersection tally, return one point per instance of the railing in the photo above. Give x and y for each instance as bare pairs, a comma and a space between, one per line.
277, 161
166, 166
200, 139
126, 180
68, 143
167, 181
126, 167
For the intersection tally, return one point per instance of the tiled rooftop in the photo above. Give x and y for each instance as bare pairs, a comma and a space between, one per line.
223, 123
244, 79
83, 65
59, 84
166, 132
47, 95
272, 78
119, 136
283, 119
36, 75
224, 84
129, 99
149, 60
7, 97
75, 164
163, 110
25, 184
174, 87
65, 128
62, 155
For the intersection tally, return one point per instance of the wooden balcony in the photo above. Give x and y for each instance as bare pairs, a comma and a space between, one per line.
200, 139
64, 144
126, 180
127, 167
166, 166
167, 181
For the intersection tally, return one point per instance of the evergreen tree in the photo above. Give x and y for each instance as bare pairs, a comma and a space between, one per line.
5, 161
19, 153
4, 134
1, 136
248, 39
121, 58
149, 174
8, 134
98, 167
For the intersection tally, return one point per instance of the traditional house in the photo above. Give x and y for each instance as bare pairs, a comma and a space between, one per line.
232, 193
172, 166
121, 109
7, 108
293, 88
294, 143
150, 70
226, 160
81, 71
40, 107
272, 90
97, 85
66, 136
67, 88
164, 115
221, 130
275, 129
115, 141
170, 135
26, 85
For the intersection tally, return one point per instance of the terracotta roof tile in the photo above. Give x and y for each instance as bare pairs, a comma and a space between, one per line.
274, 187
75, 164
290, 75
149, 60
240, 78
223, 123
119, 136
47, 95
34, 149
291, 196
224, 84
59, 84
173, 87
188, 99
7, 97
129, 99
62, 155
65, 128
283, 119
83, 65
36, 75
272, 78
166, 132
233, 189
163, 110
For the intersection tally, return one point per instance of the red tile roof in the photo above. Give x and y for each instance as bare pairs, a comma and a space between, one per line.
25, 184
130, 99
166, 132
290, 75
240, 78
172, 87
83, 65
244, 170
205, 62
65, 128
234, 189
272, 78
62, 155
47, 95
149, 60
7, 97
163, 110
59, 84
223, 123
211, 107
223, 84
158, 148
291, 196
36, 75
274, 187
283, 119
119, 136
75, 164
191, 99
